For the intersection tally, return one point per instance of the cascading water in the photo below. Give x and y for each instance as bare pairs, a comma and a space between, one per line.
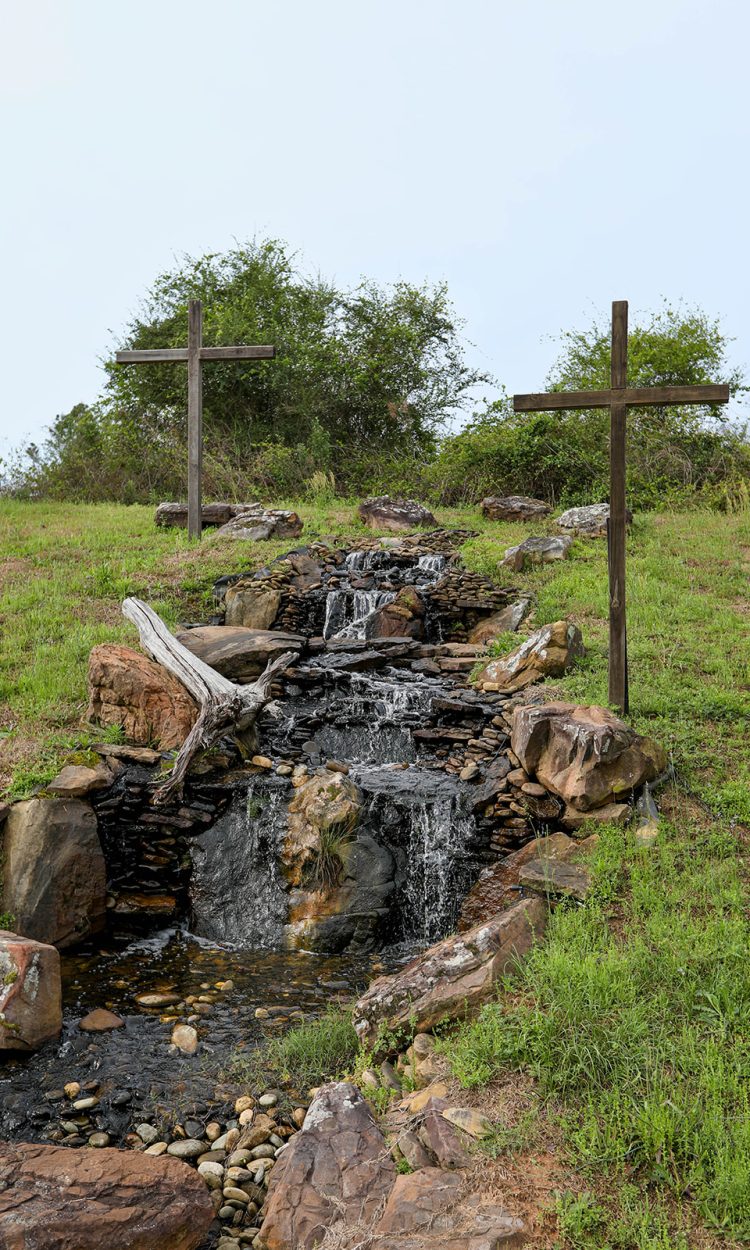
437, 855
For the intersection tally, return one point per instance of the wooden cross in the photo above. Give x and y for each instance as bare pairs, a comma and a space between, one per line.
194, 354
618, 398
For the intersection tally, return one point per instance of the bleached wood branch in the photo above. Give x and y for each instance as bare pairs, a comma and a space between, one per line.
223, 706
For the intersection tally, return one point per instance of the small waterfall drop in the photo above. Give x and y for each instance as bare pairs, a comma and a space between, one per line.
431, 564
438, 841
349, 612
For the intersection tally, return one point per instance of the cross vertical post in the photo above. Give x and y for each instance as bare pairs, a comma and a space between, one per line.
195, 418
616, 525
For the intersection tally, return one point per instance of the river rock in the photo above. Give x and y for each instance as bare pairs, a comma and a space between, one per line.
402, 618
238, 653
100, 1021
395, 515
256, 524
185, 1038
586, 755
549, 652
590, 521
514, 508
54, 874
452, 979
336, 1170
53, 1198
129, 690
30, 993
537, 551
506, 621
252, 604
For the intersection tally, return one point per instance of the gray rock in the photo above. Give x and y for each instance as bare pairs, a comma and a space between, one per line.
591, 520
396, 515
189, 1148
238, 653
537, 551
514, 508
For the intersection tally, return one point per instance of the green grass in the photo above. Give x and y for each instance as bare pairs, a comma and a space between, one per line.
307, 1055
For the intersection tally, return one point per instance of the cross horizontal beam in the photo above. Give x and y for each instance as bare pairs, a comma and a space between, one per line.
633, 396
168, 355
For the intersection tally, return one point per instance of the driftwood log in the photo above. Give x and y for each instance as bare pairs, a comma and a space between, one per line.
223, 707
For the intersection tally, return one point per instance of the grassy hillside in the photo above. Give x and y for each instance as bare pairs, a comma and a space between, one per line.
620, 1052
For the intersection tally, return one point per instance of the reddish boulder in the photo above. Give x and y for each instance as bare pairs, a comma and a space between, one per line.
52, 1198
417, 1198
128, 689
586, 755
337, 1170
30, 994
550, 652
402, 618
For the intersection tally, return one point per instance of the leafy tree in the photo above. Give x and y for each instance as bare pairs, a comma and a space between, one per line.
673, 453
361, 379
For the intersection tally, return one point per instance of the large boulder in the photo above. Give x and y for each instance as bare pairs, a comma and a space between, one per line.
256, 524
537, 551
238, 653
394, 515
54, 876
30, 992
452, 979
253, 604
53, 1198
549, 652
403, 617
128, 689
336, 1171
585, 755
326, 806
514, 508
590, 521
497, 887
176, 514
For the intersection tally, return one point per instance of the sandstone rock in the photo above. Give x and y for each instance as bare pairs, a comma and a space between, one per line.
586, 755
256, 524
185, 1038
417, 1198
609, 814
254, 605
439, 1136
238, 653
30, 993
549, 652
128, 689
176, 514
100, 1021
402, 618
53, 1198
54, 876
395, 515
537, 551
324, 802
556, 877
590, 521
514, 508
75, 781
497, 886
506, 621
469, 1120
337, 1169
452, 979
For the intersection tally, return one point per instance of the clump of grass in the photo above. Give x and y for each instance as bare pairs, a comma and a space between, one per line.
319, 1050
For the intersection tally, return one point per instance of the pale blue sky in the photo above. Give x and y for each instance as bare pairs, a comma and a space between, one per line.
543, 156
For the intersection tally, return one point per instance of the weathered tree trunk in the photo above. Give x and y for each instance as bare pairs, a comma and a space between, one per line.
223, 706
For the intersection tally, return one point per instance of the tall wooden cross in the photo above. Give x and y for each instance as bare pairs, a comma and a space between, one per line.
194, 355
618, 399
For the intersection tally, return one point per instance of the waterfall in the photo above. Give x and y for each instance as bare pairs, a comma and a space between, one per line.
436, 855
236, 890
431, 564
349, 611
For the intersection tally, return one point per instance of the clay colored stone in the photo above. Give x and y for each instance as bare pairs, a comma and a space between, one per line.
417, 1199
129, 690
54, 877
609, 814
402, 618
53, 1198
323, 802
506, 621
586, 755
555, 877
537, 551
514, 508
253, 605
238, 653
452, 979
394, 515
100, 1021
30, 993
185, 1038
75, 781
549, 652
335, 1170
469, 1120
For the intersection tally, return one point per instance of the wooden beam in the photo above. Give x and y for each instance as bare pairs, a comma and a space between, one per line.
259, 352
633, 397
618, 643
159, 356
195, 418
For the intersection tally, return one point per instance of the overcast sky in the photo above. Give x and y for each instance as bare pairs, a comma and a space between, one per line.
542, 156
